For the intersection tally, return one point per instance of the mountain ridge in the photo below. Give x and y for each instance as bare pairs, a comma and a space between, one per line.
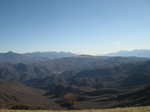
50, 54
95, 87
96, 80
137, 52
34, 57
23, 72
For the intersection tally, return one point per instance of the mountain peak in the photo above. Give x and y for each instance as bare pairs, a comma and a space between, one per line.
10, 52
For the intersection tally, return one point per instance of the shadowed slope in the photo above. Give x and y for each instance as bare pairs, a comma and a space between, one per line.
22, 72
15, 93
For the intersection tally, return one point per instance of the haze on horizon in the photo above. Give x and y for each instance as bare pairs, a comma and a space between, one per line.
77, 26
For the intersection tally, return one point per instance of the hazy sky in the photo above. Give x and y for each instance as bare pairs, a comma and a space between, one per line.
77, 26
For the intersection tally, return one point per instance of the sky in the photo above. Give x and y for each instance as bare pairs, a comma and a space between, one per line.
78, 26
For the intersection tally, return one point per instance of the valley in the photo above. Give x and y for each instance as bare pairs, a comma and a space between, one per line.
98, 82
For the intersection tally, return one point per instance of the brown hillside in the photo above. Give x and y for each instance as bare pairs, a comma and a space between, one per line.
15, 93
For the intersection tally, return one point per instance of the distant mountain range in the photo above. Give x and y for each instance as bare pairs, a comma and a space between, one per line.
32, 57
137, 53
53, 54
35, 57
97, 81
20, 58
50, 54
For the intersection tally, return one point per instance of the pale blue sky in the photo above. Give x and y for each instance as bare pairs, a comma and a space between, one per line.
77, 26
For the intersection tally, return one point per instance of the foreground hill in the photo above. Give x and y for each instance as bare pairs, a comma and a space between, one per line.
15, 93
103, 98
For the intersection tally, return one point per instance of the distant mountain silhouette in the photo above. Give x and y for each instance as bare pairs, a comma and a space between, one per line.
137, 53
35, 57
19, 58
32, 57
50, 54
11, 57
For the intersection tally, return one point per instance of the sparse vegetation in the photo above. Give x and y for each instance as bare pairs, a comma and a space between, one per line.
23, 107
98, 87
70, 99
131, 109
